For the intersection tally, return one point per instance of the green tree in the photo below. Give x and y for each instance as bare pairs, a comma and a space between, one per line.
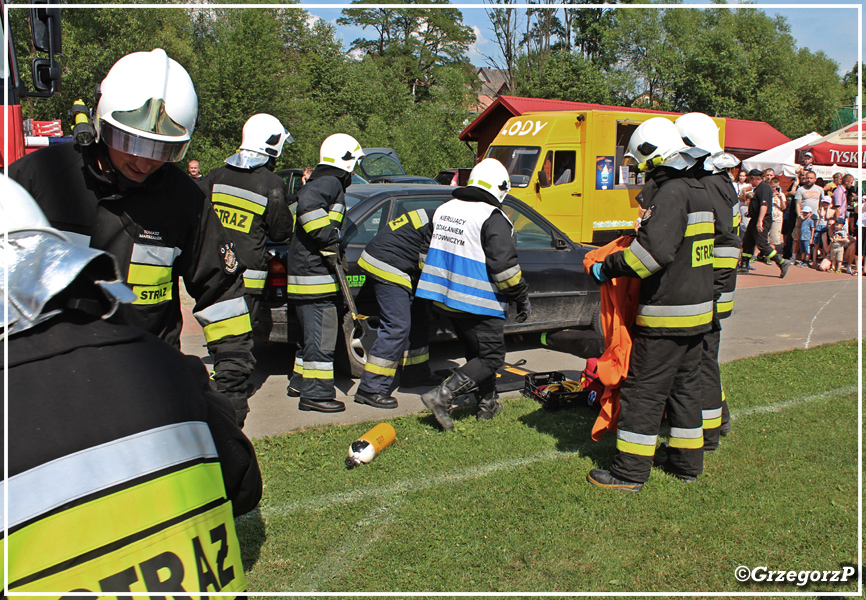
568, 76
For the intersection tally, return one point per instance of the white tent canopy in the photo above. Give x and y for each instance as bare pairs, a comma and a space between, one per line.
781, 158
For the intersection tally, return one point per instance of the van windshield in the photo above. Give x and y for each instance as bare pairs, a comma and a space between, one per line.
520, 161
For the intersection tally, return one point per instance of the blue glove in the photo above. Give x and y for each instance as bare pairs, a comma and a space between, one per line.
597, 275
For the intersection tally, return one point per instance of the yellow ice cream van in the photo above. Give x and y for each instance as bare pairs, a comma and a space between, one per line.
567, 165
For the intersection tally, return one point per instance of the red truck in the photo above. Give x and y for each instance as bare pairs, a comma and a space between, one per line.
45, 37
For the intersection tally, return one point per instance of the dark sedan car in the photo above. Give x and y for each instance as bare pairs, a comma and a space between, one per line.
562, 295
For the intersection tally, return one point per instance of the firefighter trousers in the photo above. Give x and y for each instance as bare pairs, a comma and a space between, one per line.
761, 239
483, 340
313, 374
401, 340
664, 372
711, 387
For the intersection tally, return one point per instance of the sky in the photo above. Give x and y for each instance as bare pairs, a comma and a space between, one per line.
817, 26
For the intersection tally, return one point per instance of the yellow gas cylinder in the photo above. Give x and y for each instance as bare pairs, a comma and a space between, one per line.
365, 448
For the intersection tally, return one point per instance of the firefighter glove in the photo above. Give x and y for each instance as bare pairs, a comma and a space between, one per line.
597, 274
332, 256
524, 309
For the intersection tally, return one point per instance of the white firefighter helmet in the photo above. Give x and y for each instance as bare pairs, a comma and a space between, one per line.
37, 263
656, 142
263, 138
492, 177
700, 131
147, 107
340, 150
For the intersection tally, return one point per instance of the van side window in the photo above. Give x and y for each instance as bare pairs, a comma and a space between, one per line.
563, 167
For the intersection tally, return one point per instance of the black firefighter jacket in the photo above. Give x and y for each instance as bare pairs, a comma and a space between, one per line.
251, 205
672, 254
157, 231
320, 211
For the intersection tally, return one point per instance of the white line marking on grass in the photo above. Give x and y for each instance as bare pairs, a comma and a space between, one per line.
780, 406
812, 323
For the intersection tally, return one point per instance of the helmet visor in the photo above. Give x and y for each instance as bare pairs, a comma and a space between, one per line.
135, 144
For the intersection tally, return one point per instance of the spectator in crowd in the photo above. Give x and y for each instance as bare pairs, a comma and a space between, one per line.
807, 162
743, 188
840, 196
821, 240
194, 170
808, 194
837, 180
807, 233
779, 205
838, 242
790, 216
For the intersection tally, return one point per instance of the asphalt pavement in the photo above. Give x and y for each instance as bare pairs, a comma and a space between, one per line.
806, 309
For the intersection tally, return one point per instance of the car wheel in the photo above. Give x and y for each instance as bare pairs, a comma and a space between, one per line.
357, 340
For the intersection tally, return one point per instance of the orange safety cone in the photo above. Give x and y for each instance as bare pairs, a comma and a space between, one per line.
369, 445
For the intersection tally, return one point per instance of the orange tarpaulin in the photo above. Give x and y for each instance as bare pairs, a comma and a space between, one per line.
619, 300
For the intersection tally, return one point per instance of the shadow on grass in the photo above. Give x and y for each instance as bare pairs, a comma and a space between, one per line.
251, 535
572, 429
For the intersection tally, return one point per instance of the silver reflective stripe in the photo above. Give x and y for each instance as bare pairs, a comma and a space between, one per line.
222, 311
636, 438
383, 362
318, 366
222, 188
416, 352
711, 414
319, 213
161, 256
703, 216
77, 238
340, 208
686, 310
461, 279
506, 274
465, 298
725, 252
688, 434
725, 297
299, 361
386, 267
422, 216
644, 257
89, 471
311, 279
250, 274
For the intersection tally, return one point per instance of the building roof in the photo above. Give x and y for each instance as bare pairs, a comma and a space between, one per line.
741, 136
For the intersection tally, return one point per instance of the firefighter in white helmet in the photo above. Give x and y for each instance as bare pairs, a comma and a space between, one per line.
471, 273
672, 255
700, 131
311, 269
123, 195
116, 440
250, 199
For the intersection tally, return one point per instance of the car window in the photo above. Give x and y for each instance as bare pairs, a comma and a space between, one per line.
518, 160
295, 183
529, 232
404, 205
365, 229
378, 164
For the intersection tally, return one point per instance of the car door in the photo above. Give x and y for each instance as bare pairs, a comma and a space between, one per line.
562, 295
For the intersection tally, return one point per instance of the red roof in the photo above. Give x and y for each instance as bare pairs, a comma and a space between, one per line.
741, 136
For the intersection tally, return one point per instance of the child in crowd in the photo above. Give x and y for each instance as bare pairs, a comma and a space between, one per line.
821, 241
838, 242
807, 232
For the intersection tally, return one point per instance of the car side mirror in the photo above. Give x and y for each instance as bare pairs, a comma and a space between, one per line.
543, 181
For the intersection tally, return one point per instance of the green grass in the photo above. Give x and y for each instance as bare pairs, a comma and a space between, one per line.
504, 506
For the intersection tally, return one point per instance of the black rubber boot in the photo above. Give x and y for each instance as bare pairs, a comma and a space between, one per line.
784, 265
743, 267
325, 406
604, 479
375, 400
488, 407
439, 400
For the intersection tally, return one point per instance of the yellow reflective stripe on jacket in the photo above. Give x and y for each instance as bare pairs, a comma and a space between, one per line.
148, 274
312, 284
335, 212
687, 438
255, 280
201, 553
313, 220
508, 278
700, 223
725, 257
229, 317
640, 260
419, 218
636, 443
239, 197
381, 366
383, 270
690, 315
416, 356
725, 303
